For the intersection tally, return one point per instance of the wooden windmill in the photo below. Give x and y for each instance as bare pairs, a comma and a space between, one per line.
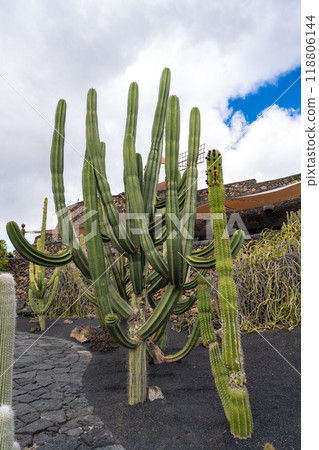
182, 163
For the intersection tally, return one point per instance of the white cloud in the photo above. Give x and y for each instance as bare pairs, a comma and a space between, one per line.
270, 148
216, 50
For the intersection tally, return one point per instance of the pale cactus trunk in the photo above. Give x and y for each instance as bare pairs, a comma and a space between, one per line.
7, 333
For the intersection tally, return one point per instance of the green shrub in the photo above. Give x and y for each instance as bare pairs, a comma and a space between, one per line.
3, 256
267, 273
69, 300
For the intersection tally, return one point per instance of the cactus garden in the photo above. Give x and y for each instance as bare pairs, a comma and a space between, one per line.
138, 273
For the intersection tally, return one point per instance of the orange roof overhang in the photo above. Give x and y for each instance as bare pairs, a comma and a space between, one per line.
260, 199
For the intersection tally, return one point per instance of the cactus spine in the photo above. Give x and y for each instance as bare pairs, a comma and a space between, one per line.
39, 284
7, 332
228, 370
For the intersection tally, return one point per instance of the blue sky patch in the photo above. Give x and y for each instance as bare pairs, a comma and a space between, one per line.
253, 104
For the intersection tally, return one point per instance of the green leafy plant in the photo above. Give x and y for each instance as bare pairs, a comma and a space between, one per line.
40, 295
7, 332
69, 300
3, 256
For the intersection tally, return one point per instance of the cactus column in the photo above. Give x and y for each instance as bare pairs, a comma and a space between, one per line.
7, 332
238, 412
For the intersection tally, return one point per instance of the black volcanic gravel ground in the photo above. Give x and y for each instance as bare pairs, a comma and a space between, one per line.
191, 415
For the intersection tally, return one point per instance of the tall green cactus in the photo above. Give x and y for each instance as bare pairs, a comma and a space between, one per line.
228, 368
129, 293
7, 332
39, 284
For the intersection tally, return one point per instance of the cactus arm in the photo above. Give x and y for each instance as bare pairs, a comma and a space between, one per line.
194, 282
55, 275
118, 333
204, 312
185, 305
161, 201
161, 312
106, 293
209, 262
159, 333
94, 150
31, 274
31, 253
56, 166
41, 241
220, 375
236, 242
135, 259
155, 155
189, 210
136, 201
107, 232
159, 283
43, 288
152, 301
136, 271
191, 342
52, 295
32, 301
181, 306
206, 251
209, 339
174, 244
117, 303
115, 272
35, 290
94, 244
131, 114
83, 288
162, 342
139, 169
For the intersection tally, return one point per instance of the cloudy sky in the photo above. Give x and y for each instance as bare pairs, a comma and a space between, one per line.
233, 59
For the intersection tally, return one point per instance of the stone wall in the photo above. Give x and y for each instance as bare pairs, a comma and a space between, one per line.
248, 187
19, 268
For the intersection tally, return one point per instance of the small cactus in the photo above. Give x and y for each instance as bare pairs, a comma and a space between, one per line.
39, 284
7, 332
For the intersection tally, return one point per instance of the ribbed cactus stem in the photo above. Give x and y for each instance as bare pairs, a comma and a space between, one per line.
137, 374
240, 414
7, 332
137, 356
39, 284
209, 339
